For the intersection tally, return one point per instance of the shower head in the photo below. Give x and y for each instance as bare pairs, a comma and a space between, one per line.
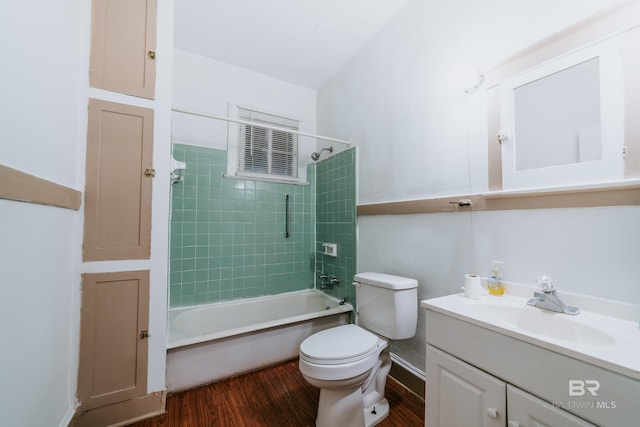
315, 156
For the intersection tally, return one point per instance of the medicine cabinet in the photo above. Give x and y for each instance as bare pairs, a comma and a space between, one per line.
563, 112
562, 123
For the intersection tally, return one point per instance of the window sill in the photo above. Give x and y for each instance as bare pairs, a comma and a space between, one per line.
266, 178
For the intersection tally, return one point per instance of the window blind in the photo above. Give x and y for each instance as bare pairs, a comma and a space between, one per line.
265, 151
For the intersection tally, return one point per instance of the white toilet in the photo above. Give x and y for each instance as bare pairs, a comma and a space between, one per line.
350, 364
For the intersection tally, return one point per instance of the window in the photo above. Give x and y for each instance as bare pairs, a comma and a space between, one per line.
265, 152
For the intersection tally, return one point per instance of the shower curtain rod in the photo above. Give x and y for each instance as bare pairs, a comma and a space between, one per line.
266, 126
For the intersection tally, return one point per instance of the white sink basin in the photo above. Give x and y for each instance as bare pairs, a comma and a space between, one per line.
545, 323
609, 338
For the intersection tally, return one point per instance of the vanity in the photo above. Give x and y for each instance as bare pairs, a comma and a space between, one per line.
497, 361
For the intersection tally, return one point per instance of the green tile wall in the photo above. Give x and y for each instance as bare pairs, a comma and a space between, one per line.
336, 219
227, 235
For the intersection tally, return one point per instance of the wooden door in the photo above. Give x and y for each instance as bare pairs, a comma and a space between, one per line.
460, 395
123, 45
119, 182
113, 337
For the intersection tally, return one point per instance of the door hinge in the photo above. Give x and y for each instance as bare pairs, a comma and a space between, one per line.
151, 173
144, 335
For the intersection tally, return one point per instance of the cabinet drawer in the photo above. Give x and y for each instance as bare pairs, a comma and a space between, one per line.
526, 410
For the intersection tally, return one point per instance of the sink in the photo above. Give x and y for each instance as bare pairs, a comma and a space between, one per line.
606, 333
544, 323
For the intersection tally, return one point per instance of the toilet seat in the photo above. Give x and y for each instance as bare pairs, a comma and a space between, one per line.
339, 353
339, 345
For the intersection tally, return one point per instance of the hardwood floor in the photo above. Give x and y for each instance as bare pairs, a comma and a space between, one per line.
277, 396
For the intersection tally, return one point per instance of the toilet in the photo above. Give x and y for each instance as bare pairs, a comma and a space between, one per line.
350, 363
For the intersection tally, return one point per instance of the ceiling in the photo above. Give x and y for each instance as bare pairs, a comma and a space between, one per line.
299, 41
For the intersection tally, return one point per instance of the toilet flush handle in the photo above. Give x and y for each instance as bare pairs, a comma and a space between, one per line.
356, 284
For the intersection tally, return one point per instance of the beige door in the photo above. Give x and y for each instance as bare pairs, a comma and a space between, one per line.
113, 337
118, 188
123, 44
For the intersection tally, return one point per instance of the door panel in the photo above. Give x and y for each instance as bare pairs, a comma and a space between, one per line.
123, 44
460, 395
118, 193
113, 353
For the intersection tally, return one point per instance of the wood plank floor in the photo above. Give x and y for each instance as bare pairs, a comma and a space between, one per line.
277, 396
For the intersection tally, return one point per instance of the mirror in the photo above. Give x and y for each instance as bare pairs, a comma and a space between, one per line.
563, 121
557, 118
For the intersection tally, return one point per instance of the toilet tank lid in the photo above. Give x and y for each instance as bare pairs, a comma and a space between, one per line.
388, 281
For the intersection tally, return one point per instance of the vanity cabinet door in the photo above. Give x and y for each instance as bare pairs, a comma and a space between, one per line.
526, 410
460, 395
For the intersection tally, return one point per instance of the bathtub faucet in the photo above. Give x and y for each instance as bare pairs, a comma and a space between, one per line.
328, 281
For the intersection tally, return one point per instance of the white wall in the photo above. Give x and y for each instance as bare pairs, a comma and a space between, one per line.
36, 310
206, 85
419, 138
43, 80
436, 250
591, 251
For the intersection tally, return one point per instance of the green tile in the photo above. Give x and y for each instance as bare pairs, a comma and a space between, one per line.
188, 252
233, 230
188, 265
189, 240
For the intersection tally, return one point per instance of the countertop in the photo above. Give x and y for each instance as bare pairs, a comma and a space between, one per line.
607, 336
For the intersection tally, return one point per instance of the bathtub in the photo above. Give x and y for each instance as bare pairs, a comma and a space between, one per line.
216, 341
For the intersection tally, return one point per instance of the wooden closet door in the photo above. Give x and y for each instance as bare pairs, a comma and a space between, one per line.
119, 182
123, 44
114, 325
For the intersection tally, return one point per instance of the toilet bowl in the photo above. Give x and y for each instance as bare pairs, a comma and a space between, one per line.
350, 363
344, 363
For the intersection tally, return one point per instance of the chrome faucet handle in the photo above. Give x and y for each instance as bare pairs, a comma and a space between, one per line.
548, 299
546, 283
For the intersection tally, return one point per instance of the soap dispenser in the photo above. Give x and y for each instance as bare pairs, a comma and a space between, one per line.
494, 280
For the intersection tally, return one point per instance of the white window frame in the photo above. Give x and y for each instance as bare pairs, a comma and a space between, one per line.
235, 145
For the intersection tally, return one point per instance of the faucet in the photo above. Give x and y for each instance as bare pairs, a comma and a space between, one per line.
548, 299
328, 281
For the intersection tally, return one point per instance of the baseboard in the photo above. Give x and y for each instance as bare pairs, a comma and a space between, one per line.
68, 417
406, 376
122, 413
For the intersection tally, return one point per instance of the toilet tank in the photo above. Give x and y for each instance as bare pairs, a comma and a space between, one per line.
387, 304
